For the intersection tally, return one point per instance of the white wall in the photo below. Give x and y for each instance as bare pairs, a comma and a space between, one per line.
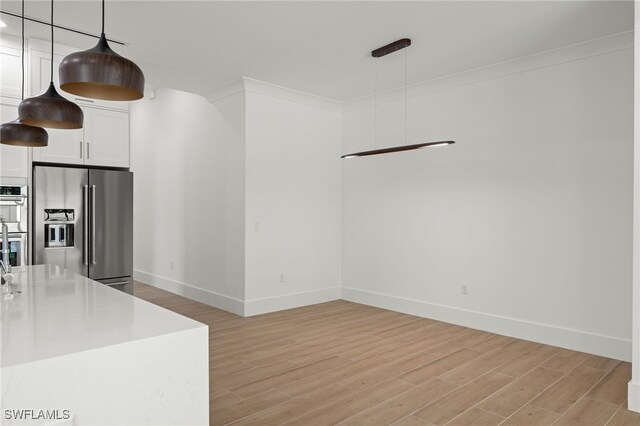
241, 192
633, 399
531, 208
293, 191
187, 156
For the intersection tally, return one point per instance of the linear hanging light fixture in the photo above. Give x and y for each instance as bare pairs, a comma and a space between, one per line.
397, 149
50, 109
59, 27
378, 53
16, 133
100, 73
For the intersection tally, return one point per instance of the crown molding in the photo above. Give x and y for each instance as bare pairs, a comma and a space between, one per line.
575, 52
11, 41
231, 88
292, 95
250, 85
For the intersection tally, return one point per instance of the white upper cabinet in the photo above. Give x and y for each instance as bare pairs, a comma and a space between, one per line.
41, 71
106, 137
11, 66
65, 146
14, 160
103, 141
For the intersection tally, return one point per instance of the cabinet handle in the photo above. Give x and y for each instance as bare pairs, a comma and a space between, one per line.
80, 149
87, 150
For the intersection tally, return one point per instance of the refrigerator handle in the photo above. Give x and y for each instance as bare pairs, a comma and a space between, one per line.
93, 224
85, 243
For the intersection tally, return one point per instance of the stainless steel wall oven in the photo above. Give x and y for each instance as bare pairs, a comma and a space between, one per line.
14, 212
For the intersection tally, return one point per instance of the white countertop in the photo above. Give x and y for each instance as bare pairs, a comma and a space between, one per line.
59, 313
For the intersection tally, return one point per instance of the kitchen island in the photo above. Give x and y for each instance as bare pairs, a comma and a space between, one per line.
74, 351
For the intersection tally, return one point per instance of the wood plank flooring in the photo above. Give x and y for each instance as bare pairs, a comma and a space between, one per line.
349, 364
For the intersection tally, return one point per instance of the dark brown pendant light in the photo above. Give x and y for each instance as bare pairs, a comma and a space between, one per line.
50, 109
100, 73
16, 133
378, 53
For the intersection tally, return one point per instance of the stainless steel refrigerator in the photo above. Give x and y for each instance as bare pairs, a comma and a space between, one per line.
83, 221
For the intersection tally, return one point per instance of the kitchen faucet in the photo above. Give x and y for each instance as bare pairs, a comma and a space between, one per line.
5, 264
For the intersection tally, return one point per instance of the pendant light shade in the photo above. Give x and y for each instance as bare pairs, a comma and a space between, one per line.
100, 73
50, 109
18, 134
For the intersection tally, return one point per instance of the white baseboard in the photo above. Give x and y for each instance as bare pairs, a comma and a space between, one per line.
633, 403
288, 301
607, 346
597, 344
236, 306
208, 297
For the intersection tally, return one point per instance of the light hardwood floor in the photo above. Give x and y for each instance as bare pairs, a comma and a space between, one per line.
349, 364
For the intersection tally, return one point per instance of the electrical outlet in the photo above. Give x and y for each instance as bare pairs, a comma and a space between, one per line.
171, 265
464, 289
256, 227
281, 278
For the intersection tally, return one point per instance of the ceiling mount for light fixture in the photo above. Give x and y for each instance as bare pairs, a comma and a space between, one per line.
50, 109
100, 73
378, 53
391, 47
16, 133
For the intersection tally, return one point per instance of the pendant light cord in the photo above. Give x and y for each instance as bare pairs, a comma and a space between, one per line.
22, 96
375, 103
405, 96
102, 17
51, 42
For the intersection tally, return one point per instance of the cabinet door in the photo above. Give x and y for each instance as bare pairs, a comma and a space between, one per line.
14, 160
10, 77
65, 146
106, 135
41, 71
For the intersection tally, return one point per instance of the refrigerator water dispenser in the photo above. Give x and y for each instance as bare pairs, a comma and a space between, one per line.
58, 228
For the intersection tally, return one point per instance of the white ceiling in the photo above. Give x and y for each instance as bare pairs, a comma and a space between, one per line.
323, 47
